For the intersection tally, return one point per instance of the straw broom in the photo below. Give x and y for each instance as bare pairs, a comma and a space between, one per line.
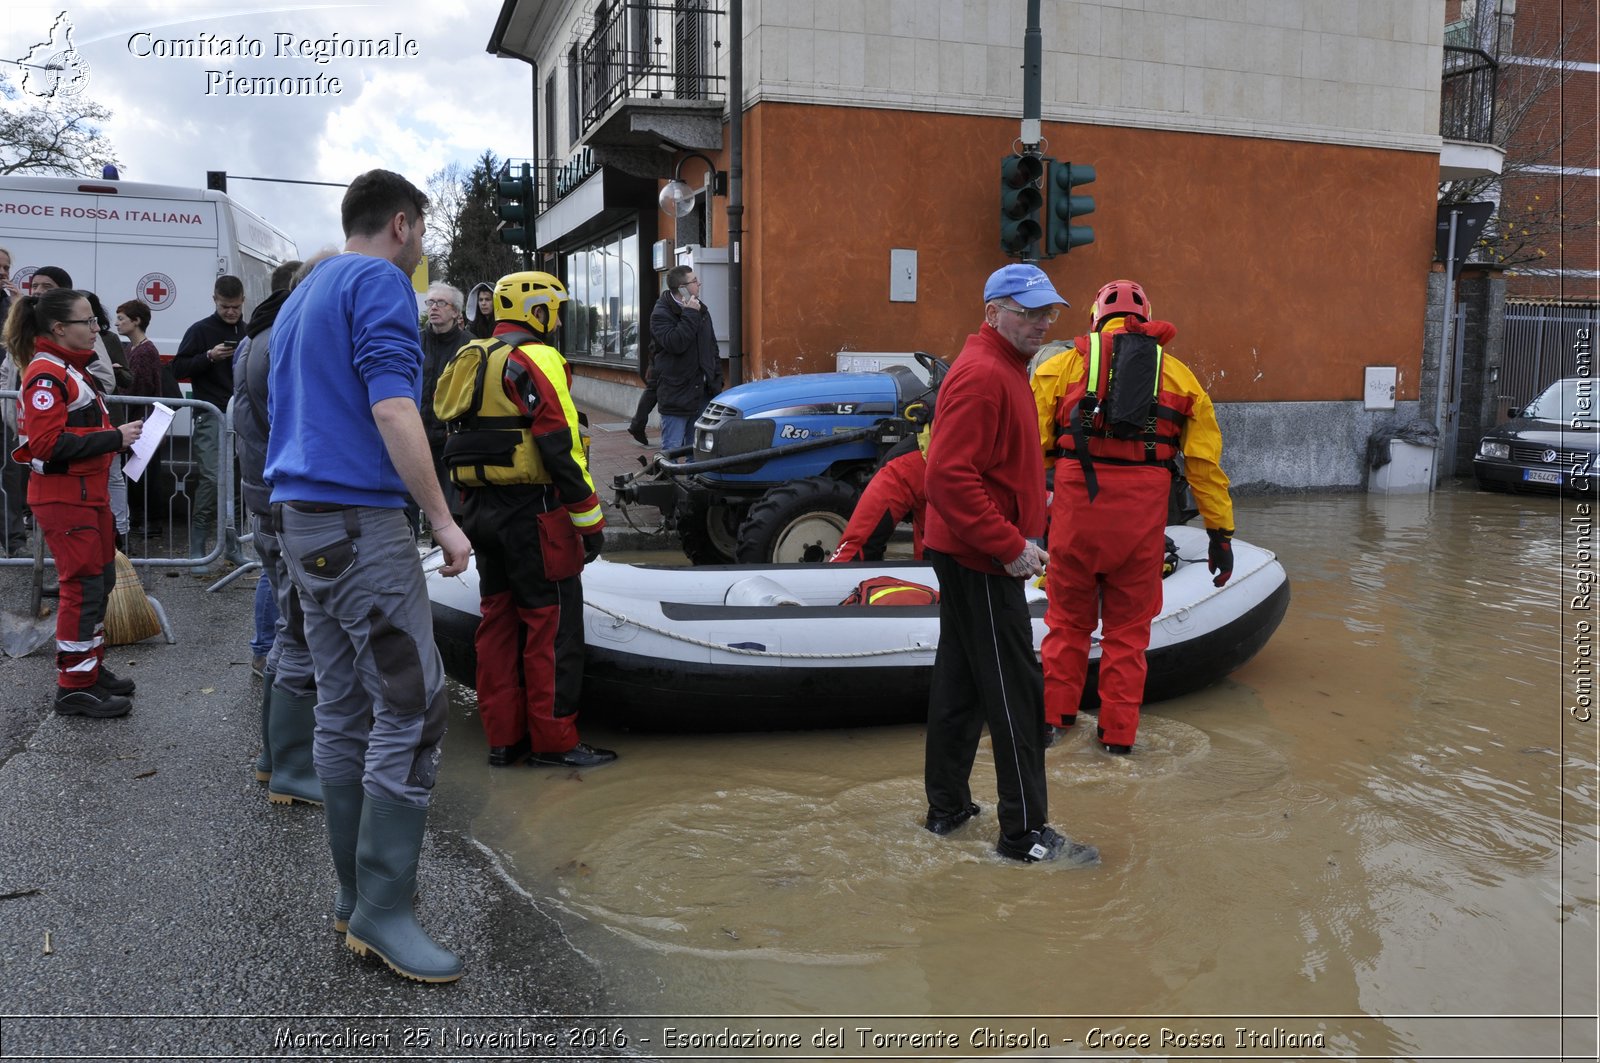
129, 615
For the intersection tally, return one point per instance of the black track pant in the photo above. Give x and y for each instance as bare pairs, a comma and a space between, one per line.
986, 672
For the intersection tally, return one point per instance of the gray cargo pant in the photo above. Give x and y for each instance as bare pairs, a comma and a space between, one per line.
289, 661
382, 707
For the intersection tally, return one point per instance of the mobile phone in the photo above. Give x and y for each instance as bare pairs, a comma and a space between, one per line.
682, 292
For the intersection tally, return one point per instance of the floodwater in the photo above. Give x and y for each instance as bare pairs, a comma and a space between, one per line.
1380, 832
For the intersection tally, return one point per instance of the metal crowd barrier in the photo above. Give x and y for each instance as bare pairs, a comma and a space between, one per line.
160, 505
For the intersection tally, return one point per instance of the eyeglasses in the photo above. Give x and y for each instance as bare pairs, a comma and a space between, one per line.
1043, 313
438, 302
80, 321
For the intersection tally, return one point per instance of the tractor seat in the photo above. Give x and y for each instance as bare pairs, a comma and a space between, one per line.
908, 386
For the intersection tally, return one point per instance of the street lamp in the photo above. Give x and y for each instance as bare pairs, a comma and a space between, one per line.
677, 198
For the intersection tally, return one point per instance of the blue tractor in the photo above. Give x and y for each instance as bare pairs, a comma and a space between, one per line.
776, 465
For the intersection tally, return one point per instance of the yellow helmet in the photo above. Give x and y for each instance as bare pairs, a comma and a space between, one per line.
516, 295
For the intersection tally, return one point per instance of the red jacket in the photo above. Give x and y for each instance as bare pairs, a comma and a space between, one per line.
985, 478
65, 431
894, 493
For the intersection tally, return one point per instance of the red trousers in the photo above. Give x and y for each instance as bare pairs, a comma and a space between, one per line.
1105, 567
530, 638
83, 541
530, 665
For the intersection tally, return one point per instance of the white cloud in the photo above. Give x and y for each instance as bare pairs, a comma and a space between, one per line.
449, 103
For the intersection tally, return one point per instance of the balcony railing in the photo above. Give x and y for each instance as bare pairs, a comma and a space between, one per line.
1471, 76
1467, 96
668, 49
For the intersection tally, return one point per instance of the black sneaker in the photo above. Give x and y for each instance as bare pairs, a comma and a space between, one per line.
579, 756
637, 432
1046, 843
944, 822
1115, 748
516, 753
114, 684
93, 702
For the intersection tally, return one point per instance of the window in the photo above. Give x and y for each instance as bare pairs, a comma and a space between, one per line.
574, 104
550, 118
601, 321
688, 34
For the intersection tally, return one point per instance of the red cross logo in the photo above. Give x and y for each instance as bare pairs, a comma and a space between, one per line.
157, 289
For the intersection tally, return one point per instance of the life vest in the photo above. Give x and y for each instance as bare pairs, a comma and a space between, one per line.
890, 590
86, 415
1121, 417
488, 442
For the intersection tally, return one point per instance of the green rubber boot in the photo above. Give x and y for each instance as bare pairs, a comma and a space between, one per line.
264, 758
386, 878
292, 724
341, 803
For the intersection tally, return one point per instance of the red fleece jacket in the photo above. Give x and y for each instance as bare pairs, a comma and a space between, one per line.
985, 478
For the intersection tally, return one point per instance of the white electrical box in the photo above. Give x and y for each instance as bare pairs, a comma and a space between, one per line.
902, 275
877, 362
661, 255
1379, 390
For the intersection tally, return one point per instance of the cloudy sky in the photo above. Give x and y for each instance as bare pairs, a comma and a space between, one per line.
174, 118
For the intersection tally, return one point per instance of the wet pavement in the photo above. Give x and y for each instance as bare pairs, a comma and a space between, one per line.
143, 872
613, 452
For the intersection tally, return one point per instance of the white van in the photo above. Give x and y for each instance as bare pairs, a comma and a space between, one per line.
124, 240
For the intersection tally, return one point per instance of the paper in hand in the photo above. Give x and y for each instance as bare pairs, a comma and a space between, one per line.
156, 424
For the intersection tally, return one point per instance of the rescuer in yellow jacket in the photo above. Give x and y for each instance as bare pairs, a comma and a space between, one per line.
514, 445
1108, 513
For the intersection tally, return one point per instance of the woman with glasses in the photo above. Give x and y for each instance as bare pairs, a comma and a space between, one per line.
67, 437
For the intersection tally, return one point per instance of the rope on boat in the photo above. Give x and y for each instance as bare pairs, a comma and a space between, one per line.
723, 647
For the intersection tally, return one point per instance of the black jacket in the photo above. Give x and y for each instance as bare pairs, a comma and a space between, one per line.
437, 350
687, 366
212, 381
249, 372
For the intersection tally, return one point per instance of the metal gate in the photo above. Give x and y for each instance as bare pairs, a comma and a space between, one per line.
1542, 345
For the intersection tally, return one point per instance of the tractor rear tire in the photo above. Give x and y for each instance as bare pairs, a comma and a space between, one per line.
708, 529
802, 520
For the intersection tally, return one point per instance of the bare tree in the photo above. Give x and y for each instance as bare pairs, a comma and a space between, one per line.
1529, 225
60, 136
477, 254
446, 192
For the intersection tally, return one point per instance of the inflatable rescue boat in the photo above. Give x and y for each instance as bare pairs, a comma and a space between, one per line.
770, 647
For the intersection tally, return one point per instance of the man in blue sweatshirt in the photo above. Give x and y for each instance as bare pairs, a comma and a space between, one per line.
347, 446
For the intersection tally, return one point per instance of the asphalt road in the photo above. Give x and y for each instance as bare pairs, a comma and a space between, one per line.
143, 873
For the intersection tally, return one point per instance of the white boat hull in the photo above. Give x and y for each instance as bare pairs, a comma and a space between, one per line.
665, 650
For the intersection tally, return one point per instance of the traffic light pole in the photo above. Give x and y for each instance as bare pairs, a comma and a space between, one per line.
217, 180
1032, 76
1032, 110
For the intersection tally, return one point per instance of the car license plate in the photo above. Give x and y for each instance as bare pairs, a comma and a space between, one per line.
1541, 476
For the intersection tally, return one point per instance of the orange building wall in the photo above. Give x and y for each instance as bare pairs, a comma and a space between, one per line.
1286, 267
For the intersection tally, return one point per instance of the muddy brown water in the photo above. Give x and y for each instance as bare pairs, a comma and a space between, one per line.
1381, 832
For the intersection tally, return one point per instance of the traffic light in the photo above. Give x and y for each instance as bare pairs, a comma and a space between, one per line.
1066, 208
217, 180
513, 205
1020, 200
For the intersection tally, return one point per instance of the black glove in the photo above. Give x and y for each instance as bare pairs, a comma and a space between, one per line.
595, 542
1219, 557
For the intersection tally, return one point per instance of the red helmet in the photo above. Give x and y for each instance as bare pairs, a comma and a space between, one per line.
1119, 297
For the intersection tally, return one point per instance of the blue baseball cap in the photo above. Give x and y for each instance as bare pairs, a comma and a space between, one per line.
1025, 284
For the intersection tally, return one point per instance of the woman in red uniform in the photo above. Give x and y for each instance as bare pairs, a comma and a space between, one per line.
66, 436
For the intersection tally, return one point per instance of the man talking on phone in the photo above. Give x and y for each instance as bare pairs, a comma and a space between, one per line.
205, 359
688, 369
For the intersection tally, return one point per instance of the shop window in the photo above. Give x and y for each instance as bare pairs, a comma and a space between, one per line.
601, 322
